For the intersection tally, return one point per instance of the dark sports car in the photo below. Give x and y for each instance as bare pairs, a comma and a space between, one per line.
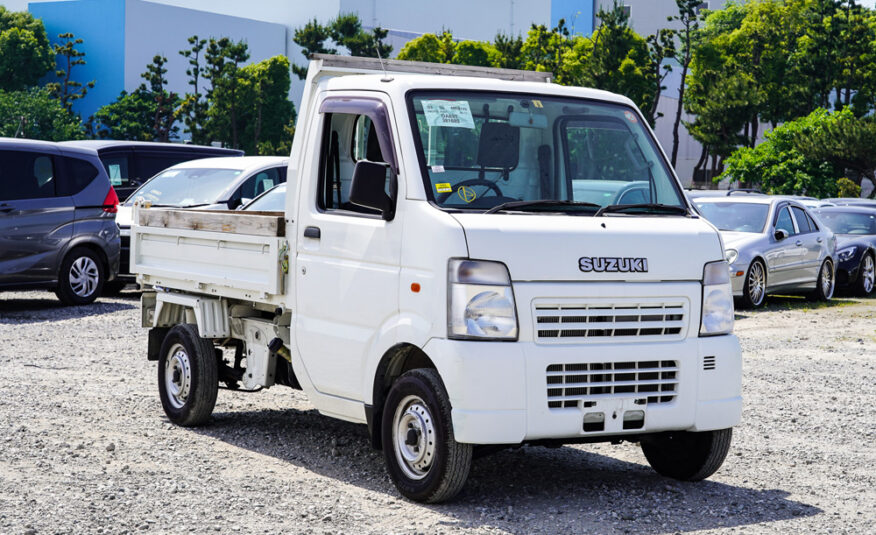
855, 229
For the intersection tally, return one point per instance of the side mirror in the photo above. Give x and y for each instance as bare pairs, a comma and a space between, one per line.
780, 234
368, 187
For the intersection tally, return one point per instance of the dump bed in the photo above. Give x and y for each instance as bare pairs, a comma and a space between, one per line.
241, 255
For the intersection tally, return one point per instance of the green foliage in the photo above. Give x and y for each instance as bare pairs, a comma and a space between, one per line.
130, 117
426, 47
67, 90
476, 53
224, 58
267, 111
345, 30
778, 165
166, 102
193, 108
847, 188
544, 50
510, 49
25, 53
34, 114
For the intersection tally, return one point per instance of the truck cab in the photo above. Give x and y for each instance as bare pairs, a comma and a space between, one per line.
439, 275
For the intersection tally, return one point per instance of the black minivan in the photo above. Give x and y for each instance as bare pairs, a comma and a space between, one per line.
57, 220
131, 163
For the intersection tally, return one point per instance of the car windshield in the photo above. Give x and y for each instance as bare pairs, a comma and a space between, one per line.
479, 150
273, 200
186, 187
849, 222
735, 216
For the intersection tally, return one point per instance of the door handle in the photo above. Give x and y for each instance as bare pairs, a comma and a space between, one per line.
799, 243
312, 232
818, 240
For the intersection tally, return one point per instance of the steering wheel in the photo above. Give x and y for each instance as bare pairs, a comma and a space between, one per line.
441, 197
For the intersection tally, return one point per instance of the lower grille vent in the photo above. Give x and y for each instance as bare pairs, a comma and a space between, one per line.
654, 381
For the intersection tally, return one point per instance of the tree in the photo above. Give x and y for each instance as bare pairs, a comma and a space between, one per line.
25, 53
778, 166
194, 106
268, 111
166, 102
345, 30
509, 49
426, 47
225, 59
130, 117
67, 90
544, 50
35, 114
476, 53
687, 17
661, 46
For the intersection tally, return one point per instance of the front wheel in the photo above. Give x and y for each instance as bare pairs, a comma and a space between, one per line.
825, 284
866, 276
754, 289
188, 379
422, 457
687, 456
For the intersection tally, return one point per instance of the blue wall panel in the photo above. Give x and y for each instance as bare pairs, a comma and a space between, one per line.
101, 25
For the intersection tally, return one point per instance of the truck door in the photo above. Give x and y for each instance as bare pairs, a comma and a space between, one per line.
348, 256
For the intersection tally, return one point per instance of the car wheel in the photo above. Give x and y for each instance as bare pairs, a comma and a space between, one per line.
866, 276
81, 277
685, 455
423, 459
826, 283
754, 290
188, 378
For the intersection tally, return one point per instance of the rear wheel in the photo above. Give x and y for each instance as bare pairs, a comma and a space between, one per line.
188, 380
825, 285
422, 457
687, 456
866, 276
81, 277
754, 290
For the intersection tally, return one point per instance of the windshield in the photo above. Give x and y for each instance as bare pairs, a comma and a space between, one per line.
479, 150
272, 201
186, 187
848, 222
735, 216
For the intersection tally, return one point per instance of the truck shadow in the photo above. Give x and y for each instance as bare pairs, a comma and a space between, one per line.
530, 489
37, 307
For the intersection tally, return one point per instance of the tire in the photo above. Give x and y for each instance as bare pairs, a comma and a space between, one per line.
418, 410
188, 377
687, 456
81, 277
826, 283
754, 289
866, 276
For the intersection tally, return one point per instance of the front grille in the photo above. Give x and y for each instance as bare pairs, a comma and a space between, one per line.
651, 381
599, 321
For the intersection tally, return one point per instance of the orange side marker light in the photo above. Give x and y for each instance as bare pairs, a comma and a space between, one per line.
415, 287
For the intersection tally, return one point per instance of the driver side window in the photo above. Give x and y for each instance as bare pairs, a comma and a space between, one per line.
783, 221
347, 139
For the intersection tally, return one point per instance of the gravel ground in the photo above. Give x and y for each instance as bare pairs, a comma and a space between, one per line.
85, 446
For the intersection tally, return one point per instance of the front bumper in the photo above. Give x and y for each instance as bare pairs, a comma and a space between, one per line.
499, 390
847, 271
738, 273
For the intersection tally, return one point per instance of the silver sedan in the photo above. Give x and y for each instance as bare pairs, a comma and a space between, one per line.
772, 245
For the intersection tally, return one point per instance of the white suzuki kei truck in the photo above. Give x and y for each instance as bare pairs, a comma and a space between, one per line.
467, 257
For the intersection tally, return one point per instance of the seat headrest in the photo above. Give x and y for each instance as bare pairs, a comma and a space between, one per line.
499, 145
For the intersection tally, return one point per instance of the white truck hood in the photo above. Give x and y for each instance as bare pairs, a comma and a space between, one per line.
583, 248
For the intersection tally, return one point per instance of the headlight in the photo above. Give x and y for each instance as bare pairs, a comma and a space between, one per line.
731, 255
717, 312
845, 254
480, 301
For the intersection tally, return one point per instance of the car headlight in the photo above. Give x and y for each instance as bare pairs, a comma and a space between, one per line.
717, 315
848, 252
480, 301
731, 255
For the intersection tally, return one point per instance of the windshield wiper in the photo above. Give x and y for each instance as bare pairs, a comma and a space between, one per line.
542, 202
644, 208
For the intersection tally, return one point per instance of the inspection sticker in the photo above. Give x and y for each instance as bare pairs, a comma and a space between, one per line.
437, 168
444, 187
631, 117
448, 113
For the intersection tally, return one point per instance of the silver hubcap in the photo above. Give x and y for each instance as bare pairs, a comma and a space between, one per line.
178, 376
413, 437
868, 274
84, 276
756, 283
827, 280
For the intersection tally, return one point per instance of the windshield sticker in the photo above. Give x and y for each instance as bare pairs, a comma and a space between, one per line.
437, 168
467, 194
453, 113
169, 174
444, 187
631, 117
537, 104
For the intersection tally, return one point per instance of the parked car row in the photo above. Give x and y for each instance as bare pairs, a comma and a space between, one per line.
60, 212
785, 244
